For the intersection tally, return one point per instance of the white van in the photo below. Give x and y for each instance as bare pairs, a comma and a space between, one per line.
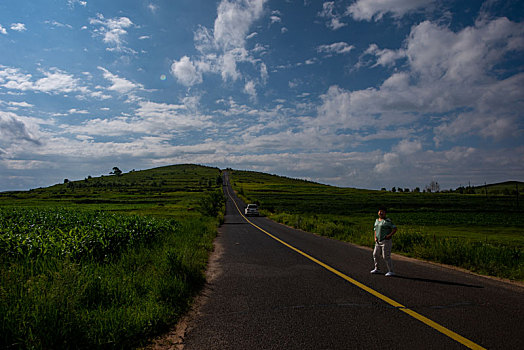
251, 210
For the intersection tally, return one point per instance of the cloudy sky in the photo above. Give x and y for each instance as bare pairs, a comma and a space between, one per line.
358, 93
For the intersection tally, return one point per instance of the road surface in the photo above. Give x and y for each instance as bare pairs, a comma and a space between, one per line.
273, 287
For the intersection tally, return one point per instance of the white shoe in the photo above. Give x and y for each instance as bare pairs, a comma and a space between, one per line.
375, 271
390, 273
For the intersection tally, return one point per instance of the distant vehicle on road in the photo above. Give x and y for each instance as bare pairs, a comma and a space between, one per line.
251, 210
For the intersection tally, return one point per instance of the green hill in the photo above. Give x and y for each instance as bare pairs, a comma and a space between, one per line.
501, 188
281, 194
163, 191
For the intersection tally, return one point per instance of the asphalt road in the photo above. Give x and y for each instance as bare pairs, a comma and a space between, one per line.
263, 294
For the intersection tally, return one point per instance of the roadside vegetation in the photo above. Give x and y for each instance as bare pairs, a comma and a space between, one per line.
105, 262
479, 230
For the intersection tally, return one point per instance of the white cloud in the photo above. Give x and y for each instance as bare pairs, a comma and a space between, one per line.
445, 72
19, 27
311, 61
385, 57
20, 104
263, 72
340, 109
55, 81
330, 13
470, 54
228, 67
388, 162
376, 9
152, 7
77, 111
150, 118
112, 31
14, 129
59, 25
3, 30
406, 147
186, 72
72, 3
338, 48
120, 85
223, 48
234, 18
249, 88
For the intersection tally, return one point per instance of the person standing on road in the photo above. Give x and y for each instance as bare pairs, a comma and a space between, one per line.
384, 230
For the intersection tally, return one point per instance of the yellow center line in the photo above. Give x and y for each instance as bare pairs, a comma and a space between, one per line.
457, 337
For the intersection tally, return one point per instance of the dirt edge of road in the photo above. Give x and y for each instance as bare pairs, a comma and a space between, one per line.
174, 339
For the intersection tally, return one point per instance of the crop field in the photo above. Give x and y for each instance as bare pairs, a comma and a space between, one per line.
105, 262
480, 232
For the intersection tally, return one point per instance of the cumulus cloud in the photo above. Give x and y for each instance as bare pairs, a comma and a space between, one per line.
376, 9
3, 30
447, 72
57, 81
18, 27
224, 48
186, 72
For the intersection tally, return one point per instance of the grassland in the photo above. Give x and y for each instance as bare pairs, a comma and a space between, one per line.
481, 232
104, 262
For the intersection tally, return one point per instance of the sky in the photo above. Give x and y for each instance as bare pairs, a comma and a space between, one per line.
356, 93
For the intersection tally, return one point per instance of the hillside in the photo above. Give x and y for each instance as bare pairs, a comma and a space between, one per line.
281, 194
501, 188
157, 191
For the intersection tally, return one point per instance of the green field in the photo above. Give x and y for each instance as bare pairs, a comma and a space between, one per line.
480, 232
105, 262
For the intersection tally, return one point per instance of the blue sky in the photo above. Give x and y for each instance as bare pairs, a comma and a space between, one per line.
365, 93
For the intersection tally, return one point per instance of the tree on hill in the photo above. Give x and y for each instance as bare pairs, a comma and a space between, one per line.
116, 171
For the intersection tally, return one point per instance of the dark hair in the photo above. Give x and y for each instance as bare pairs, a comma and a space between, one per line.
383, 208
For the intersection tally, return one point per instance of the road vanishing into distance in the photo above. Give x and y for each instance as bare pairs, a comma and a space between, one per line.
274, 287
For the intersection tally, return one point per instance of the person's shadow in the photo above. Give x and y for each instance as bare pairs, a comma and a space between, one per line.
436, 281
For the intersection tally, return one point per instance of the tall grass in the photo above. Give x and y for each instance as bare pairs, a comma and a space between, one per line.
478, 256
57, 301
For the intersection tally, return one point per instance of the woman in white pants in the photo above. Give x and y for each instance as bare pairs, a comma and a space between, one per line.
384, 230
